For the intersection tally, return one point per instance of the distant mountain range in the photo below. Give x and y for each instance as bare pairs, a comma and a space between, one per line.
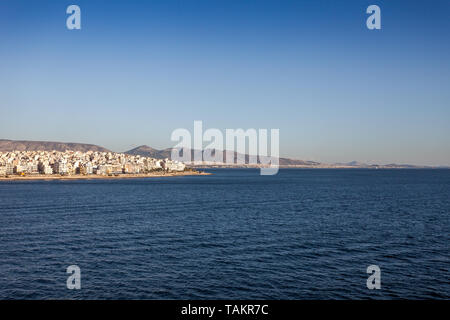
16, 145
11, 145
166, 153
358, 164
147, 151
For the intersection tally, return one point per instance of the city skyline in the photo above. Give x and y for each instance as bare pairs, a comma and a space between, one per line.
137, 71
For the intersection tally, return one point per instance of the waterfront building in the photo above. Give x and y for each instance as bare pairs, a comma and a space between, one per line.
48, 169
89, 168
69, 163
60, 167
9, 169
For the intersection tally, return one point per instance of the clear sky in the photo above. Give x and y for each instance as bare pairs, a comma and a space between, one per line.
137, 70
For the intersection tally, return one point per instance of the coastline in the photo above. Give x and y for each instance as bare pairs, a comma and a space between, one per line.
96, 177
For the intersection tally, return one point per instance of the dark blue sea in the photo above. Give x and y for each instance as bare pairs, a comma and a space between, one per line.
301, 234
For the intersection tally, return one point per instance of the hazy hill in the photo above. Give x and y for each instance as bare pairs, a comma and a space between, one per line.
12, 145
352, 164
147, 151
285, 162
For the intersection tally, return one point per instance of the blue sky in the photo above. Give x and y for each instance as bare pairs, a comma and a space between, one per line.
137, 70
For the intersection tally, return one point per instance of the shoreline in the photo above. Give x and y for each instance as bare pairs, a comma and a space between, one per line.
380, 167
99, 177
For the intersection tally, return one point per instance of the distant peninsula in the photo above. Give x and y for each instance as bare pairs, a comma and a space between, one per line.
146, 151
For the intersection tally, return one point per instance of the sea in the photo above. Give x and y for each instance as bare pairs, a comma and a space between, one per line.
235, 234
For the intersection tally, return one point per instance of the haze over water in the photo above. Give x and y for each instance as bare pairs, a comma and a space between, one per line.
302, 234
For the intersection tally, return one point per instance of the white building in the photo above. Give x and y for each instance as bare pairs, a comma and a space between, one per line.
47, 169
32, 168
175, 165
9, 169
89, 168
60, 167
